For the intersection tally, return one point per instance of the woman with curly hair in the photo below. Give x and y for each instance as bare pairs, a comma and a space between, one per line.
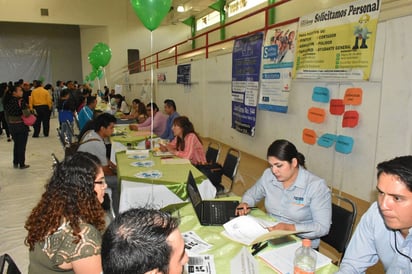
186, 143
64, 228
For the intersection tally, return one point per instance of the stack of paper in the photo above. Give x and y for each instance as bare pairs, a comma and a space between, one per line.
249, 230
143, 152
174, 161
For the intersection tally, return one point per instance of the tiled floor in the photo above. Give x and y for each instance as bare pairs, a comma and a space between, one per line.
21, 189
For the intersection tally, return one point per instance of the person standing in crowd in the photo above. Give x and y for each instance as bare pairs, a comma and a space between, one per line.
26, 92
170, 109
75, 96
3, 123
87, 112
298, 199
93, 141
65, 108
385, 231
187, 143
64, 228
143, 241
159, 120
15, 107
59, 87
41, 102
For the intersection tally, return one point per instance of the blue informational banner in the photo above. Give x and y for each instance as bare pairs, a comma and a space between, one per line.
246, 60
277, 65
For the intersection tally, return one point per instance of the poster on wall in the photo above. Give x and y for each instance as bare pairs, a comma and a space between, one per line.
246, 60
277, 65
337, 43
183, 74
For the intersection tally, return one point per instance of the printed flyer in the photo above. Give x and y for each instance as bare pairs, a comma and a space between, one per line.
247, 54
277, 64
337, 43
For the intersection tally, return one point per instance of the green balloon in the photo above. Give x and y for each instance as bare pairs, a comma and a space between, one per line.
92, 76
100, 55
87, 78
151, 12
100, 73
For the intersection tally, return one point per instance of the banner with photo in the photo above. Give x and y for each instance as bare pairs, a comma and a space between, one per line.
277, 64
246, 60
337, 43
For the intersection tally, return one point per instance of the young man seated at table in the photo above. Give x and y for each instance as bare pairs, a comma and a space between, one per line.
93, 142
170, 109
87, 112
385, 231
159, 120
143, 241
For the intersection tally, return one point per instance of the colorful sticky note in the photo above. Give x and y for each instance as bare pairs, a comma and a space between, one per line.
320, 94
350, 118
344, 144
353, 96
316, 115
336, 107
309, 136
327, 140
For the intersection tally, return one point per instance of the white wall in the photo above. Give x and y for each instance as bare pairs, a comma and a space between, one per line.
384, 130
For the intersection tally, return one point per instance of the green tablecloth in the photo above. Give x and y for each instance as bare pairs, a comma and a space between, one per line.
224, 250
124, 135
174, 176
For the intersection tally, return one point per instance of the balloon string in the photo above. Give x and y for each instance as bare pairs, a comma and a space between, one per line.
151, 83
98, 83
105, 78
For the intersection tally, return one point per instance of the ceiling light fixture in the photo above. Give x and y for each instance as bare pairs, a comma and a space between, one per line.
180, 8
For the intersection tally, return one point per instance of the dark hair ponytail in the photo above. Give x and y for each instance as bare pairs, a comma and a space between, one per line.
285, 151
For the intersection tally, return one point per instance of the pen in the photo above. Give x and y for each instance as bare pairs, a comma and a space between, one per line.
260, 248
251, 207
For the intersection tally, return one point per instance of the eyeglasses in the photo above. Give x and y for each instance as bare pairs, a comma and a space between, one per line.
102, 182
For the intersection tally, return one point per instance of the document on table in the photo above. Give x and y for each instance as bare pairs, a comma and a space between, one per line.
174, 161
200, 264
244, 262
194, 244
249, 230
281, 259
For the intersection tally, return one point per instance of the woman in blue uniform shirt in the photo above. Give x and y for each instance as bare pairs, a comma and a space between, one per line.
296, 198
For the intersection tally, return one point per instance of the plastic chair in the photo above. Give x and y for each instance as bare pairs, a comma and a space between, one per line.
230, 167
342, 225
7, 265
64, 139
213, 152
55, 161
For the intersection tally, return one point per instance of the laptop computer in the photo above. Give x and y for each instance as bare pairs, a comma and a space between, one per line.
209, 212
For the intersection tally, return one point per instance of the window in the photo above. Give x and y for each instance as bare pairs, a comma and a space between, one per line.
233, 8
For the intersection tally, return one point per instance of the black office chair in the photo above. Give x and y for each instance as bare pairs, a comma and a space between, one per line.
213, 152
341, 229
7, 265
230, 167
